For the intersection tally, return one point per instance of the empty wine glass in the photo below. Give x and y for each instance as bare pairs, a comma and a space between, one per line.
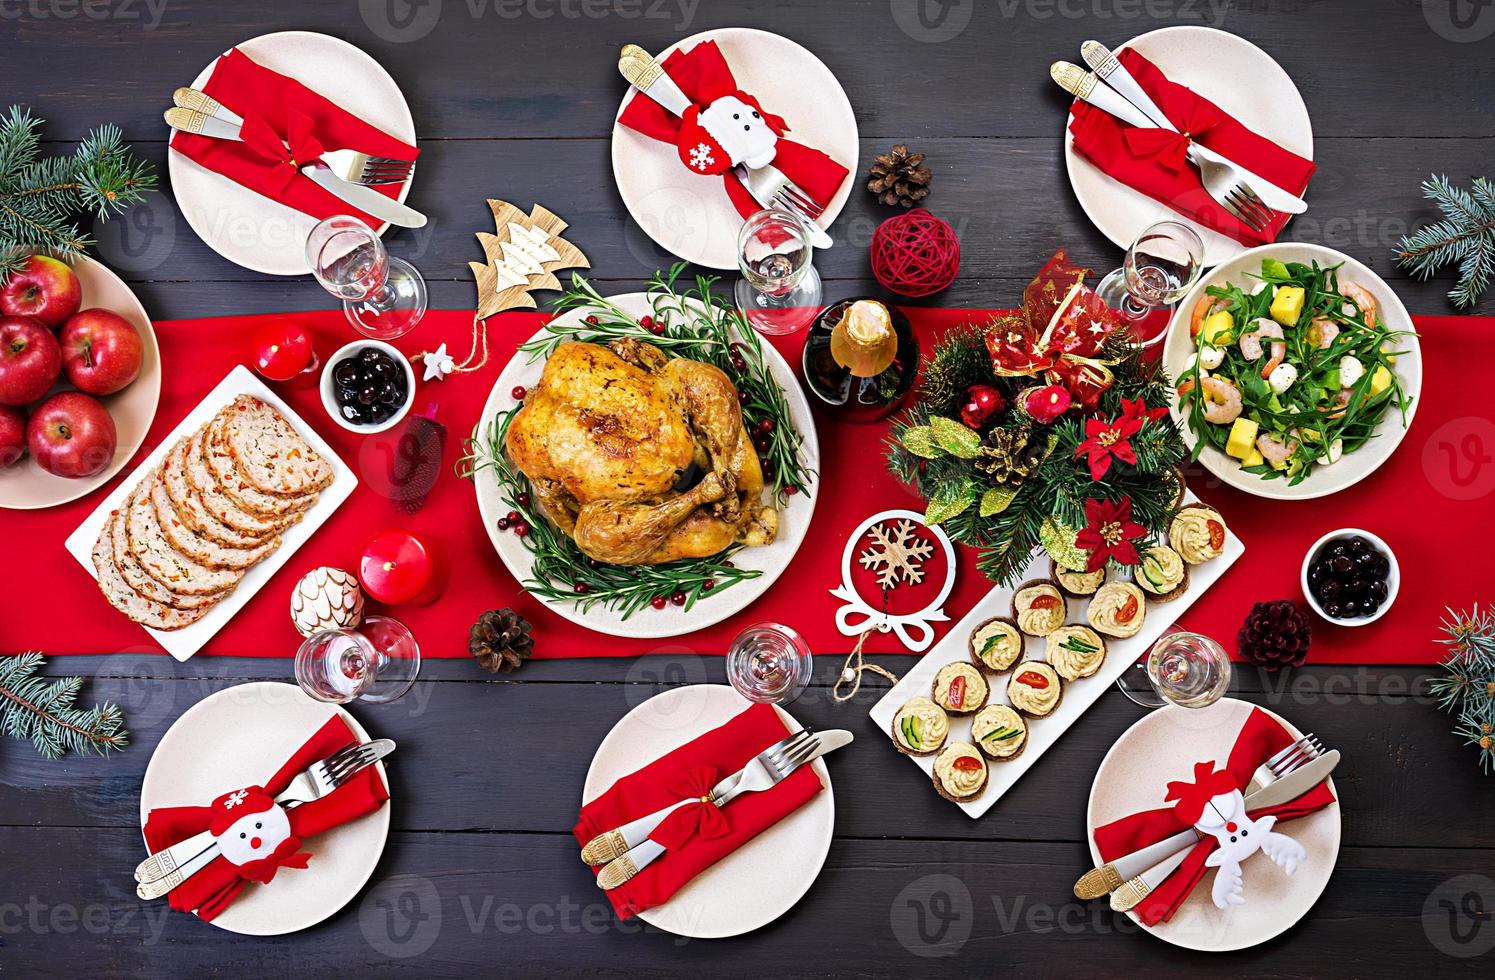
376, 661
383, 297
769, 662
1187, 669
779, 291
1159, 269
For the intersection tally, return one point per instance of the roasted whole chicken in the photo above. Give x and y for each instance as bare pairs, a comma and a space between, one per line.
641, 458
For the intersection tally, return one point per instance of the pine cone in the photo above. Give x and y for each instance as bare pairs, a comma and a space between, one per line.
500, 640
899, 177
1008, 456
1275, 635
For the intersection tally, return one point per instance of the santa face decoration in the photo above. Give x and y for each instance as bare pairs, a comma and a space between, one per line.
728, 132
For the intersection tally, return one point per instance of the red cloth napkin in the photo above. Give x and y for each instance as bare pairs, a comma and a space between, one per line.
696, 838
276, 108
1152, 161
704, 76
1260, 738
216, 886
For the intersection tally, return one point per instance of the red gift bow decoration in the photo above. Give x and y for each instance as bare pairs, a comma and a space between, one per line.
1172, 148
298, 149
1058, 333
701, 816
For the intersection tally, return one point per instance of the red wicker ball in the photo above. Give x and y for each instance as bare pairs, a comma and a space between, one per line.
915, 253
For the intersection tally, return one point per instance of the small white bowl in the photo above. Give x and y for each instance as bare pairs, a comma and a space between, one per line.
1393, 576
329, 401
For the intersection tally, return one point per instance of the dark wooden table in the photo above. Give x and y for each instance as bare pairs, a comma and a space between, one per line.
481, 876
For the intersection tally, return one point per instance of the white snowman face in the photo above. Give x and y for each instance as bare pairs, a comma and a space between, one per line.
255, 836
741, 131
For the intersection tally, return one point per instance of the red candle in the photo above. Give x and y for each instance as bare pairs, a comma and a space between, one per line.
397, 567
282, 350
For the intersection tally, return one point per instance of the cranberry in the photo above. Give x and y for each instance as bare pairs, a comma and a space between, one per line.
728, 564
582, 588
765, 426
522, 500
760, 442
659, 602
742, 398
677, 597
512, 517
738, 364
708, 585
791, 490
769, 470
591, 320
519, 393
503, 523
521, 529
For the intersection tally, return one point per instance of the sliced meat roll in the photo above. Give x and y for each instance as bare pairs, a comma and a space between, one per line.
236, 487
270, 454
206, 488
160, 560
196, 546
134, 605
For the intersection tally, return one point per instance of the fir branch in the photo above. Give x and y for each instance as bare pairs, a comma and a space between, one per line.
1468, 689
1465, 238
42, 712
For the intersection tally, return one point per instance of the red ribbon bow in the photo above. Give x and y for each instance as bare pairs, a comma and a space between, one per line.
298, 148
1171, 149
285, 855
701, 816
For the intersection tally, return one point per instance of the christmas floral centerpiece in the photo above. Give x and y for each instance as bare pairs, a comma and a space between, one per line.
1044, 428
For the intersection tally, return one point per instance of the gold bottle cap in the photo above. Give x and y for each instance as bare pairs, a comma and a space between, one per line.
864, 342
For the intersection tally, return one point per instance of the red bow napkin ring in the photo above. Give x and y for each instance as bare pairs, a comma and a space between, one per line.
701, 816
298, 148
1172, 148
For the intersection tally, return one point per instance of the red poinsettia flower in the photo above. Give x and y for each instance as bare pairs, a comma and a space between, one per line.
1136, 408
1109, 533
1104, 440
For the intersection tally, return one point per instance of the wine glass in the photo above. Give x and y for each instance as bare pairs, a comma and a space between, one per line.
769, 662
1187, 669
376, 661
779, 291
383, 297
1159, 269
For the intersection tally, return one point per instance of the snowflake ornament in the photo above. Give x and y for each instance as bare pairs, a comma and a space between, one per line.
700, 157
896, 552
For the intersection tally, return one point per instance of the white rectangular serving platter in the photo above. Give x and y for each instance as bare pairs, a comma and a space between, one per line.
1078, 695
183, 643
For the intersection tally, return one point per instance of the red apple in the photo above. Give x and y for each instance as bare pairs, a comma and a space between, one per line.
44, 288
101, 351
12, 435
30, 359
71, 434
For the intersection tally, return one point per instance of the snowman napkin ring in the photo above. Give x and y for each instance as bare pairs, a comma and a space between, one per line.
732, 130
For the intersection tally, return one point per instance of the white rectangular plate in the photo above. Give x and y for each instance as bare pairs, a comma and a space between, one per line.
183, 643
1078, 695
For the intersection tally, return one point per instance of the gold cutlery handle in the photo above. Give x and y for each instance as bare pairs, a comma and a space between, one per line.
1129, 894
186, 120
604, 848
196, 100
638, 66
1097, 882
618, 871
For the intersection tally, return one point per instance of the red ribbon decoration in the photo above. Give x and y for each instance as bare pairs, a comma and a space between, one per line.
701, 816
1171, 149
304, 148
284, 856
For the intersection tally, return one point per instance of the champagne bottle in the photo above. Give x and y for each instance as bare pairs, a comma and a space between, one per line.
860, 359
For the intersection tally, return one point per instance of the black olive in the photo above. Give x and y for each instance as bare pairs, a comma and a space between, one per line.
1337, 549
351, 412
1334, 610
1381, 566
370, 354
1330, 588
388, 394
1352, 607
1359, 545
1379, 591
1342, 564
368, 395
345, 372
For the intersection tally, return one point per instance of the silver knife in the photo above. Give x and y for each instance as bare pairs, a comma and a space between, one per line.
644, 72
1111, 71
364, 198
170, 866
645, 851
1117, 874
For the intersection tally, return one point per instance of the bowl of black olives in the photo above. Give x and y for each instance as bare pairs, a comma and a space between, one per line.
367, 386
1350, 577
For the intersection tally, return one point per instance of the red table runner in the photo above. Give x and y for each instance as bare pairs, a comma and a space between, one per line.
1431, 502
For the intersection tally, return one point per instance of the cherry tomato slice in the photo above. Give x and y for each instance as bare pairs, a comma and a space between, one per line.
1045, 602
1216, 535
1033, 679
1128, 610
958, 693
967, 763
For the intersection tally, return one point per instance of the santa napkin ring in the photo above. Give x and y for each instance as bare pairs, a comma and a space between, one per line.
253, 833
732, 130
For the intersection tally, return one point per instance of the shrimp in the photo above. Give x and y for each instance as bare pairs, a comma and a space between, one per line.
1361, 298
1321, 333
1341, 402
1222, 400
1202, 309
1275, 450
1250, 344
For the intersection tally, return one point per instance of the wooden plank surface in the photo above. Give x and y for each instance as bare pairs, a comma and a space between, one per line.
481, 878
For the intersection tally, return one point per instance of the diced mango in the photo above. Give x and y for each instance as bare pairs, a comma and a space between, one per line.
1242, 439
1278, 466
1255, 458
1287, 305
1380, 380
1218, 328
1389, 356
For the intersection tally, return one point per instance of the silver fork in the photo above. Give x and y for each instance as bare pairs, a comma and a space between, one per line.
1304, 750
767, 770
312, 784
384, 170
771, 187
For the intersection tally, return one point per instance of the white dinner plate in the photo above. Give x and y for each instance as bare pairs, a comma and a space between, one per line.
1351, 467
240, 736
771, 560
1079, 695
183, 643
759, 881
25, 485
1231, 72
248, 228
689, 215
1133, 777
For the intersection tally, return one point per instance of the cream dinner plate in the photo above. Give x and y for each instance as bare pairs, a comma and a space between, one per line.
25, 485
248, 228
771, 560
1231, 72
1351, 467
689, 215
759, 881
240, 736
1164, 745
